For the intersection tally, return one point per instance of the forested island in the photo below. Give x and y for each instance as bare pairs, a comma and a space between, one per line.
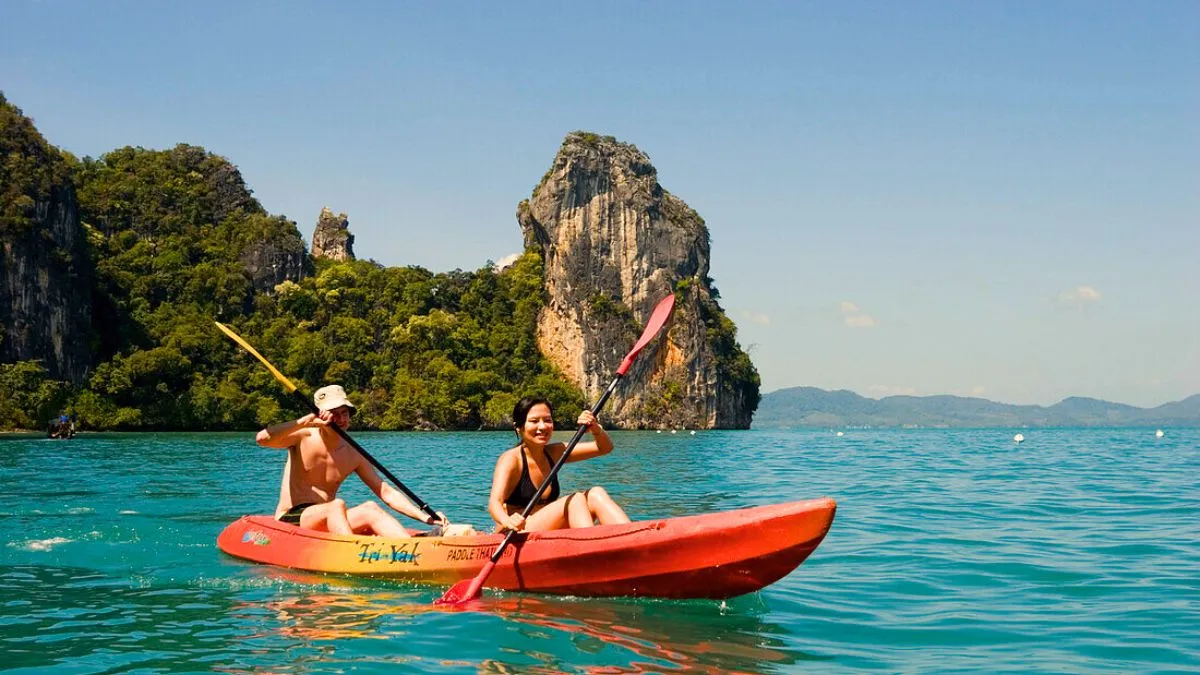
114, 269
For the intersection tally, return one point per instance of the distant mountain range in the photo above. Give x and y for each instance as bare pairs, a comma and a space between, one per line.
812, 407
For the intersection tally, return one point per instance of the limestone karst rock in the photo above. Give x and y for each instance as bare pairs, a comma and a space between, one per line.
332, 238
614, 242
276, 254
45, 271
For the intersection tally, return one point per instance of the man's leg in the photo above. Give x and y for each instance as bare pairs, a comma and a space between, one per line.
370, 518
327, 517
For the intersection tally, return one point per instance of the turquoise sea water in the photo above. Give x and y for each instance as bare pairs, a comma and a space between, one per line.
1077, 550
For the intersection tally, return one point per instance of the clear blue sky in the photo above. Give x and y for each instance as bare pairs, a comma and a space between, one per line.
997, 199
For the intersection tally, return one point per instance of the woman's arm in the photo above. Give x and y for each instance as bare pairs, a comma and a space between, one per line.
504, 479
601, 444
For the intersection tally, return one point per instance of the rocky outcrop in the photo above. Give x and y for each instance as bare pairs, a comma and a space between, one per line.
226, 193
332, 238
45, 272
275, 255
614, 242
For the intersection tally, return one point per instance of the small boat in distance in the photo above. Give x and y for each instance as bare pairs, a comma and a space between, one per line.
61, 428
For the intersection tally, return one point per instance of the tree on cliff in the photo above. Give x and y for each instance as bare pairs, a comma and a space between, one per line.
29, 171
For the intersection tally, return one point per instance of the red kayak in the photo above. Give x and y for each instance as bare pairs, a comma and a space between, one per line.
716, 555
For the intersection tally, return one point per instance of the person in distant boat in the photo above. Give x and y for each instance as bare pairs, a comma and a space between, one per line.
318, 461
520, 470
63, 427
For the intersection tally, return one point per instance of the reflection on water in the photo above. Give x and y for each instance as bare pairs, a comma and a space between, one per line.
694, 637
514, 633
329, 616
322, 607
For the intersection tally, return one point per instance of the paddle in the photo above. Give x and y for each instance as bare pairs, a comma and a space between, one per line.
469, 589
312, 407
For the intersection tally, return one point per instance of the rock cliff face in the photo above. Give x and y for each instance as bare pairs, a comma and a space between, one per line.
45, 272
332, 238
276, 255
614, 242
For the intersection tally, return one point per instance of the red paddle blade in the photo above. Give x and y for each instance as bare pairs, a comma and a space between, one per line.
467, 589
658, 318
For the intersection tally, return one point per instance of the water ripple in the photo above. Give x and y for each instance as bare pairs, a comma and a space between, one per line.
1077, 550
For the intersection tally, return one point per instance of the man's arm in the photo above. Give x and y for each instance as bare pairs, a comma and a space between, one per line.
393, 497
288, 434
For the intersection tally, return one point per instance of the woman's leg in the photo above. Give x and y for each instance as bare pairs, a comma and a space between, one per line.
327, 517
603, 507
552, 516
578, 513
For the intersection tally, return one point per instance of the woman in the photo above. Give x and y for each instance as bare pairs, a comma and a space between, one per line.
520, 471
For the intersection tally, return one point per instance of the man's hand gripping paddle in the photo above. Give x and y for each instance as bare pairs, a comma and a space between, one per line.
312, 407
469, 589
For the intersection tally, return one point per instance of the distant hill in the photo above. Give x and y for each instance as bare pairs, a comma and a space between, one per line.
812, 407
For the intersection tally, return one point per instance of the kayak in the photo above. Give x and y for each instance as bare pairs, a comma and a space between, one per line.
715, 555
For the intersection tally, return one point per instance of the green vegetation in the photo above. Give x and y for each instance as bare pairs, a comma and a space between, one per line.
663, 400
176, 240
592, 139
733, 365
179, 241
29, 170
415, 349
450, 350
604, 308
28, 398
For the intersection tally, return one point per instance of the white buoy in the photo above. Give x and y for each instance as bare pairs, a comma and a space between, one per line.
658, 431
841, 434
1158, 434
673, 431
1018, 438
693, 432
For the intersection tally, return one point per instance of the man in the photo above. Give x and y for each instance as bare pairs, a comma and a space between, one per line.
318, 461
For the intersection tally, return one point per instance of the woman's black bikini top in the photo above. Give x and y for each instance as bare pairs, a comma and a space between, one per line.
523, 492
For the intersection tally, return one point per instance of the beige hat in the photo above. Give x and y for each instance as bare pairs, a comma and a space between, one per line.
330, 397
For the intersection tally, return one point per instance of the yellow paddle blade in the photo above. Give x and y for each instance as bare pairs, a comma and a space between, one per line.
287, 384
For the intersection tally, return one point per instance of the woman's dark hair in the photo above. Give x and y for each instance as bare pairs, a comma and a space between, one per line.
521, 410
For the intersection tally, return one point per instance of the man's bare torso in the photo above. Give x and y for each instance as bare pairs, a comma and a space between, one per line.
315, 469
